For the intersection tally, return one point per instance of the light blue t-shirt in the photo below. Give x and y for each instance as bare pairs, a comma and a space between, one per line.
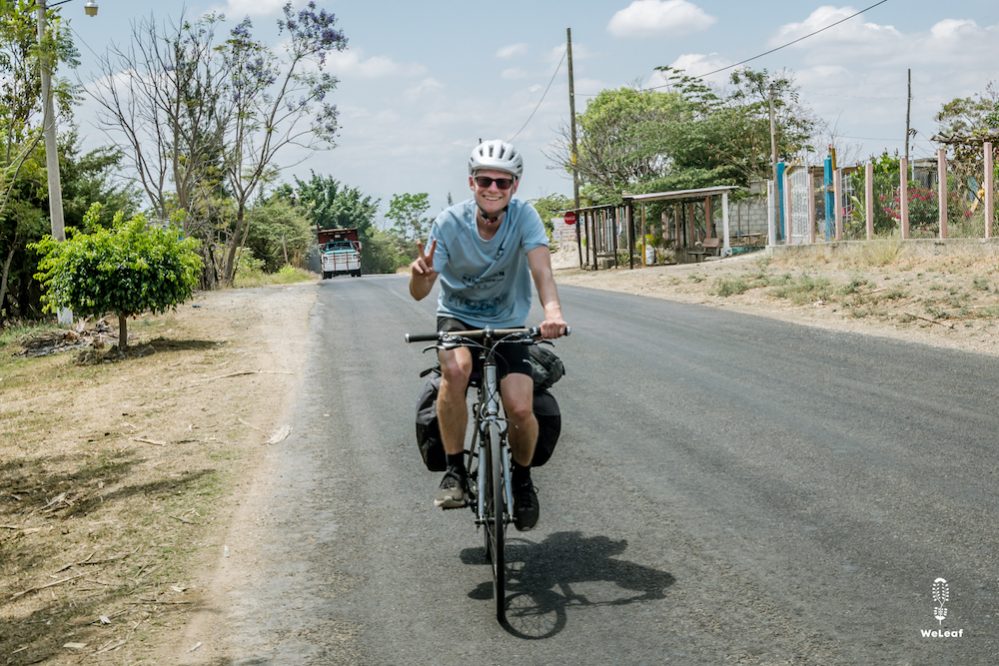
486, 282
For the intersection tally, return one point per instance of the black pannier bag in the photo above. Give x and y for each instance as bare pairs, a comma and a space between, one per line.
549, 426
428, 435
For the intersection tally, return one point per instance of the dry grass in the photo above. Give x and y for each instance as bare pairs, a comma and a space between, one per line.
931, 292
112, 477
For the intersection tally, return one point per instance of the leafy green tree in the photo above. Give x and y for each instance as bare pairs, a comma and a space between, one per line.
86, 178
408, 213
626, 136
386, 252
280, 234
685, 137
965, 123
129, 269
552, 205
330, 204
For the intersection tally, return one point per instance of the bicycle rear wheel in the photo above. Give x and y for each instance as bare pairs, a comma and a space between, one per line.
495, 521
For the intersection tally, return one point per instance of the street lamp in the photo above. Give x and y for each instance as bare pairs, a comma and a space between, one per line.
49, 131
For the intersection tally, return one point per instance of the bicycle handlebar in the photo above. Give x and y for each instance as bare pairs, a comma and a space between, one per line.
533, 332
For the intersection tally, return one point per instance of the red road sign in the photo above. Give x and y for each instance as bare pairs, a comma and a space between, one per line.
570, 217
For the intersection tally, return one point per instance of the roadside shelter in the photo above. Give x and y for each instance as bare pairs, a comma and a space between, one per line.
688, 226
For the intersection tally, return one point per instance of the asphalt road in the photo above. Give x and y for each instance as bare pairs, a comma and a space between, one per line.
727, 489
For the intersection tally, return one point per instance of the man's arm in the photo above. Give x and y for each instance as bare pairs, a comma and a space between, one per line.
421, 272
540, 262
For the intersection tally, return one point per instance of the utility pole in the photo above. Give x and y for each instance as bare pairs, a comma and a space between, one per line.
573, 157
51, 147
908, 111
773, 156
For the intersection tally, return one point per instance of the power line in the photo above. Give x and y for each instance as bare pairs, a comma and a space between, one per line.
778, 48
543, 95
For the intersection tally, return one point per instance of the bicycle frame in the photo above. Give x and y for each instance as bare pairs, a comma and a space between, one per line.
487, 412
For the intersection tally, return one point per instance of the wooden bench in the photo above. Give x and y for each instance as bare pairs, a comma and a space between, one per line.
712, 246
709, 246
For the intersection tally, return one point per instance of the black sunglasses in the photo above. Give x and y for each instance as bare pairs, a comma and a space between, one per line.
501, 183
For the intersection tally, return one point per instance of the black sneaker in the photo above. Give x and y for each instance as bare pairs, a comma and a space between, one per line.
525, 506
451, 494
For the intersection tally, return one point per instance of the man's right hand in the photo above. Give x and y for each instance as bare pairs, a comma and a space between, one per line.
423, 265
422, 273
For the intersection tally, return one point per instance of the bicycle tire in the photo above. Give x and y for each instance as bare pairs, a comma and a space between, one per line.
495, 522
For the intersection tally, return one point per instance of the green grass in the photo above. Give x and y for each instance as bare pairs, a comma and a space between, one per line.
804, 289
258, 278
726, 287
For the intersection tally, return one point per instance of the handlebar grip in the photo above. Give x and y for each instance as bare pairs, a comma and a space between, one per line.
422, 337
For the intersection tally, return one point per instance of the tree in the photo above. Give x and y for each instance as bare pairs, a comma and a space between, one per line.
685, 137
330, 204
209, 119
626, 136
408, 213
965, 124
275, 102
280, 233
552, 205
128, 269
161, 98
23, 203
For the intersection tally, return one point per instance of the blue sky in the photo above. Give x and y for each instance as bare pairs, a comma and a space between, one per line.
422, 81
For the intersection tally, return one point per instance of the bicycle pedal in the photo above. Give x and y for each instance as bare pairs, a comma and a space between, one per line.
451, 507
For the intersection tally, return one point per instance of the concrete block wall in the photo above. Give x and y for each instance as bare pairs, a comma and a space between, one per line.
746, 217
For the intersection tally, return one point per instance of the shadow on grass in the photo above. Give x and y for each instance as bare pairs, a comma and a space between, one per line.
93, 356
47, 600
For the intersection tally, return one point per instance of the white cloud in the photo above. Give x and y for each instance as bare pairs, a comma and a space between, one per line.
427, 86
352, 64
694, 64
852, 31
240, 8
648, 18
512, 51
954, 29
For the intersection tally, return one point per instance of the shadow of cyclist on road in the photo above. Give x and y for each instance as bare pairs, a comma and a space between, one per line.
541, 578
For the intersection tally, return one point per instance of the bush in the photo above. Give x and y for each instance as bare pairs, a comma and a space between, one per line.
131, 268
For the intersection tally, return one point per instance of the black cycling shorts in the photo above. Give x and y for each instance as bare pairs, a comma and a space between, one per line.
510, 358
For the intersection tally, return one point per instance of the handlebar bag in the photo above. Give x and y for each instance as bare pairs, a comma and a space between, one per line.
546, 367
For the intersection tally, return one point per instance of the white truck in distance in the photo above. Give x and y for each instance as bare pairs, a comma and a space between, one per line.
340, 251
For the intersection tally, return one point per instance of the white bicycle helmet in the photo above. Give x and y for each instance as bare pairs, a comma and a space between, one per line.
498, 155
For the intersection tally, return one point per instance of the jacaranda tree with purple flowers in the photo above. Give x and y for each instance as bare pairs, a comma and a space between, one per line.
205, 118
277, 100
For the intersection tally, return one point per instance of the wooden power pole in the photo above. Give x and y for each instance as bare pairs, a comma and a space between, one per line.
573, 157
908, 111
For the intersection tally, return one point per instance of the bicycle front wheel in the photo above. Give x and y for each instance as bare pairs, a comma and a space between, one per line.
495, 521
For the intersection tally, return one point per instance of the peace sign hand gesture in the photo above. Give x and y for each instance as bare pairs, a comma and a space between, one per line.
424, 263
422, 273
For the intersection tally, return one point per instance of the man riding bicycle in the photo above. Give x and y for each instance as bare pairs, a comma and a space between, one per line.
485, 251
